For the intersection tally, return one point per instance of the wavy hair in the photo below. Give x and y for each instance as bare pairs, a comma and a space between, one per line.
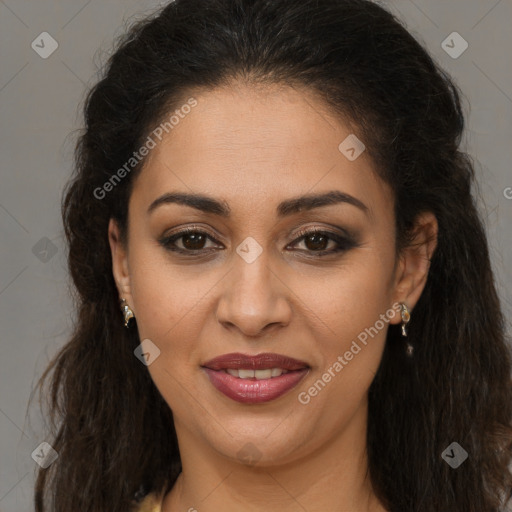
111, 427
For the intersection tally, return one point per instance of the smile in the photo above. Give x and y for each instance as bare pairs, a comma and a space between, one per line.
255, 379
256, 374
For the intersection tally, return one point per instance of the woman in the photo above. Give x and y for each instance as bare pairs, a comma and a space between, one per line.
285, 300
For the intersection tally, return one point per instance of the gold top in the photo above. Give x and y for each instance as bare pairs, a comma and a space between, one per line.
151, 503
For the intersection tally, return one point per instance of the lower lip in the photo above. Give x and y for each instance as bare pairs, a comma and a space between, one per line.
252, 391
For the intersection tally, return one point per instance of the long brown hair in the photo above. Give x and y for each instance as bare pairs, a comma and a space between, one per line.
111, 427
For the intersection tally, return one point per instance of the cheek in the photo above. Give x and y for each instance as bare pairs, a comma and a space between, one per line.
165, 296
353, 306
168, 303
352, 296
173, 304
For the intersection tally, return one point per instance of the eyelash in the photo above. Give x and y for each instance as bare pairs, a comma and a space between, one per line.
344, 242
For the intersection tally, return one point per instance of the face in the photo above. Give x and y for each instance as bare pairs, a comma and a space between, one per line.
251, 276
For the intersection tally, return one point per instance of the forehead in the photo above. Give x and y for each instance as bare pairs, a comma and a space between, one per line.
253, 146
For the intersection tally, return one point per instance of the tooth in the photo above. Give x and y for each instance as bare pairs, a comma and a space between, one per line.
258, 374
263, 374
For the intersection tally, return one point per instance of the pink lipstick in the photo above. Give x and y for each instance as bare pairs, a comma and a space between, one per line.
255, 379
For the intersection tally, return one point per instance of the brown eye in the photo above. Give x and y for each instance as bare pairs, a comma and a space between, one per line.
192, 240
317, 242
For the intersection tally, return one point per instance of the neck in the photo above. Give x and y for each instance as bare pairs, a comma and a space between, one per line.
324, 476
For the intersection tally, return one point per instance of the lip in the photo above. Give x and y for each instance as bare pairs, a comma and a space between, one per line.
254, 391
261, 361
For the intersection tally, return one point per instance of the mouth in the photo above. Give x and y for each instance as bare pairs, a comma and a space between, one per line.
255, 379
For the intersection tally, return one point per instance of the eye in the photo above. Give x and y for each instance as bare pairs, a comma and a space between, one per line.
317, 241
192, 241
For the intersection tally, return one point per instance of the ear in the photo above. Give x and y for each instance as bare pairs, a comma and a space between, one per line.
414, 263
120, 267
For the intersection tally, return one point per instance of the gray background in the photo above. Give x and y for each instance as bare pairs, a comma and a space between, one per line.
40, 101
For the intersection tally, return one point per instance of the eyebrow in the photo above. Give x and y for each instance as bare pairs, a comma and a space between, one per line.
288, 207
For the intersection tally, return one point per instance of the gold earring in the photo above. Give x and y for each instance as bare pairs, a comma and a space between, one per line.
127, 311
406, 316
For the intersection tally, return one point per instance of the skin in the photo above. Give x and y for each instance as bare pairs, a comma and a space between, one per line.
253, 148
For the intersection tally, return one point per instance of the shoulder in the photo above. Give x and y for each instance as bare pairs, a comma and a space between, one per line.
151, 503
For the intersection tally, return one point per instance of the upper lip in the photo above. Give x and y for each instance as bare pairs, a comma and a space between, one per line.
238, 361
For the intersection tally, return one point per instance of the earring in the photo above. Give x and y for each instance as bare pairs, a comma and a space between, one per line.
128, 313
406, 316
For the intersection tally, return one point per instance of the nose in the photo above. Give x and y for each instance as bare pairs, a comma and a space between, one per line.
254, 299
